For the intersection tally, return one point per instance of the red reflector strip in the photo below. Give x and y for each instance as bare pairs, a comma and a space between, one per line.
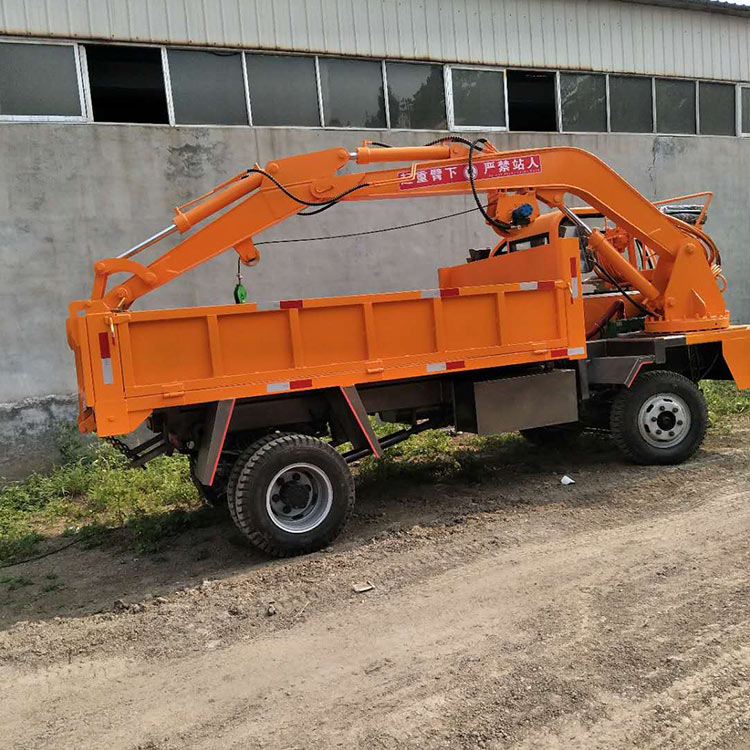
545, 285
455, 365
559, 353
104, 346
452, 292
290, 304
573, 267
297, 384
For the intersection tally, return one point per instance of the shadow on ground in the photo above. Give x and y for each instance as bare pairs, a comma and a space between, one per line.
392, 495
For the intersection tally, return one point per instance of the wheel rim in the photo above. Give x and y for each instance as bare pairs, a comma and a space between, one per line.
664, 420
299, 498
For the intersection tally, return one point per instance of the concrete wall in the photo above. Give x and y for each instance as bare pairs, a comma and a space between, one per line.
70, 194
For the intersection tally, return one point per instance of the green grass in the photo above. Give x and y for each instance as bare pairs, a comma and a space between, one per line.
92, 493
724, 402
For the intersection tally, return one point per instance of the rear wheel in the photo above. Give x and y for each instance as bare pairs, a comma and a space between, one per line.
661, 419
290, 494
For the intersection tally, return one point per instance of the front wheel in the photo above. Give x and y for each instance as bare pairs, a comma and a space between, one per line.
291, 494
661, 419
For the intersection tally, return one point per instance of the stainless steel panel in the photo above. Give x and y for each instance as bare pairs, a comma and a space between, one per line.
511, 404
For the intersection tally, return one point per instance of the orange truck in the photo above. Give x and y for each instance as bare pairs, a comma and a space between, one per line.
606, 316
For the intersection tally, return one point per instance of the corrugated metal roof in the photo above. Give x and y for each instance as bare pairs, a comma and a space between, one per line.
632, 37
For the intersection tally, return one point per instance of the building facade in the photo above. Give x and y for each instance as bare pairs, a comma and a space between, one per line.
114, 111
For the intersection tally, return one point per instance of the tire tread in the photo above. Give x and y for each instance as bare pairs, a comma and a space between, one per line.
621, 429
241, 480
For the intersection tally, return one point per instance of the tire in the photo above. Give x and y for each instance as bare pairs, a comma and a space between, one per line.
557, 434
661, 419
290, 494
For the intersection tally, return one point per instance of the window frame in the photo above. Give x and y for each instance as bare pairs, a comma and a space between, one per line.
81, 80
84, 90
387, 60
165, 75
321, 108
450, 115
697, 107
740, 87
652, 81
737, 126
555, 75
606, 102
248, 97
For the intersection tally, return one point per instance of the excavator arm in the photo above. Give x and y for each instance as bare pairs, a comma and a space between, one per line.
681, 293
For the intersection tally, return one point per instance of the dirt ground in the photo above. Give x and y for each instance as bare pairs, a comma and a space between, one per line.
510, 613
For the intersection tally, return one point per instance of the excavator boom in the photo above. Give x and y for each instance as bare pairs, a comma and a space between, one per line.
683, 292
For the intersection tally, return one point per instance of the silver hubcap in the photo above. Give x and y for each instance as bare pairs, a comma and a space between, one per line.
664, 420
299, 498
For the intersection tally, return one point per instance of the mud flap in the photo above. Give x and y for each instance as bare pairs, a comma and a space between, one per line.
350, 412
736, 351
214, 434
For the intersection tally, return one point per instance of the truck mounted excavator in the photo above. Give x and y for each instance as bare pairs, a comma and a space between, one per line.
606, 315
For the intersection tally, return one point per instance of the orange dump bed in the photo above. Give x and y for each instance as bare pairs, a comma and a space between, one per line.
130, 363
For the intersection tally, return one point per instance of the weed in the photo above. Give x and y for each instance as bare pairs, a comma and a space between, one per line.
724, 401
93, 493
15, 582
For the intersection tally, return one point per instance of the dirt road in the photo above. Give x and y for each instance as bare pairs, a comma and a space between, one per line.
513, 613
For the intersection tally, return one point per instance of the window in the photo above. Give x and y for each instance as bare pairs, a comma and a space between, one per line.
38, 80
583, 100
531, 101
352, 93
283, 90
717, 114
675, 106
630, 105
478, 98
416, 96
745, 110
207, 87
526, 244
127, 84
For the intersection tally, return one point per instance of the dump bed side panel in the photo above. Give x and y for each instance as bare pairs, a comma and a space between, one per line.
146, 360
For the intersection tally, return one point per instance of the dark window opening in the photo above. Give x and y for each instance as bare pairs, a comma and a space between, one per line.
531, 101
127, 84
